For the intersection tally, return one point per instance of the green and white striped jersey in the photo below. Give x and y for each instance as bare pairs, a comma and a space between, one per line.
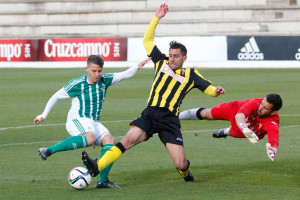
87, 98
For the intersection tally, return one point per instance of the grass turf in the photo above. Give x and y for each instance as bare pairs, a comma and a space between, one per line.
223, 168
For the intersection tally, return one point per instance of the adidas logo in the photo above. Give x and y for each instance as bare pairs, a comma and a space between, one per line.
250, 51
297, 56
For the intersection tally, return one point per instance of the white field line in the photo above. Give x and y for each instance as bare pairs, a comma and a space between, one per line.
194, 131
29, 126
113, 121
290, 115
42, 125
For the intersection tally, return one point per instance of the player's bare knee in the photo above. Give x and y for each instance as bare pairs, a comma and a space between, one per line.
91, 139
108, 139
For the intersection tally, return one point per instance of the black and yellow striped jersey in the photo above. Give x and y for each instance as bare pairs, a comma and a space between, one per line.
170, 87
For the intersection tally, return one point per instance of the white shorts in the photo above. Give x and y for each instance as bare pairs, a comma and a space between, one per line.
81, 125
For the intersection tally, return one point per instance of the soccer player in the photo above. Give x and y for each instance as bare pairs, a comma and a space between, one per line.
252, 118
88, 94
170, 85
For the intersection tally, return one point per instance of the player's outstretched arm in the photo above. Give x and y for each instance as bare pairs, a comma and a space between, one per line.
148, 40
129, 72
271, 151
60, 94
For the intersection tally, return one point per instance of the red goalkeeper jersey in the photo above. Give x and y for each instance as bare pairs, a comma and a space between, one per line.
260, 125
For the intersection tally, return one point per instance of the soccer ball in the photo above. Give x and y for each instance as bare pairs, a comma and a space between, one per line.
79, 178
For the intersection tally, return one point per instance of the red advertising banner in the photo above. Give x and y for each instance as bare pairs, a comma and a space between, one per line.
78, 49
18, 50
63, 49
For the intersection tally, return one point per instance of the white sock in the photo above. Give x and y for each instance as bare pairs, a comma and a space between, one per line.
189, 114
226, 131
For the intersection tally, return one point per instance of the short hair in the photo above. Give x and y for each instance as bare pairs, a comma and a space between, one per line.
275, 100
95, 59
177, 45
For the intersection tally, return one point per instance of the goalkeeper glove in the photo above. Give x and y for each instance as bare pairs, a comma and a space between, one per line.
249, 134
271, 151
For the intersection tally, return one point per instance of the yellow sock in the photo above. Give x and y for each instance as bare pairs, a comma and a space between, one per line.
184, 173
110, 156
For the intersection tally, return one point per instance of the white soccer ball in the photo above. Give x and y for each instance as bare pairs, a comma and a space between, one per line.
79, 178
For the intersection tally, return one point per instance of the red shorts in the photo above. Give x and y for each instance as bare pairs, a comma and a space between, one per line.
227, 111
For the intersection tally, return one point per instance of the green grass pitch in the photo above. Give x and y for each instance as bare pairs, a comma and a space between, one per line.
223, 168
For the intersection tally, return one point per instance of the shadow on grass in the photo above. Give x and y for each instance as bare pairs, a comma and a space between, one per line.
283, 173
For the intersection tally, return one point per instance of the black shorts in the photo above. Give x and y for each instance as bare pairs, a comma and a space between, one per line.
161, 121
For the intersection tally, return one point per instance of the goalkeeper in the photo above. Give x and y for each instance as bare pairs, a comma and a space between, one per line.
252, 118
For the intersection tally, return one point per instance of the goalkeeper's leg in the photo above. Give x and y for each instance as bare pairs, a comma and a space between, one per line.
196, 114
221, 133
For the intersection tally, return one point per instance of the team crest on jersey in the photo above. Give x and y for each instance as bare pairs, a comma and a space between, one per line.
102, 88
167, 70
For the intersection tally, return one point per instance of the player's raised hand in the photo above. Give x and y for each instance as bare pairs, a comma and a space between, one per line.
220, 90
161, 11
271, 151
249, 134
38, 119
141, 64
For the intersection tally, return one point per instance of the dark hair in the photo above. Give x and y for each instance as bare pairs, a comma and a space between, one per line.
177, 45
275, 100
95, 59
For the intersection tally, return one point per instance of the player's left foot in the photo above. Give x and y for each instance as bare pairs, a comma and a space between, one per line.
44, 153
189, 177
107, 184
219, 133
90, 164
